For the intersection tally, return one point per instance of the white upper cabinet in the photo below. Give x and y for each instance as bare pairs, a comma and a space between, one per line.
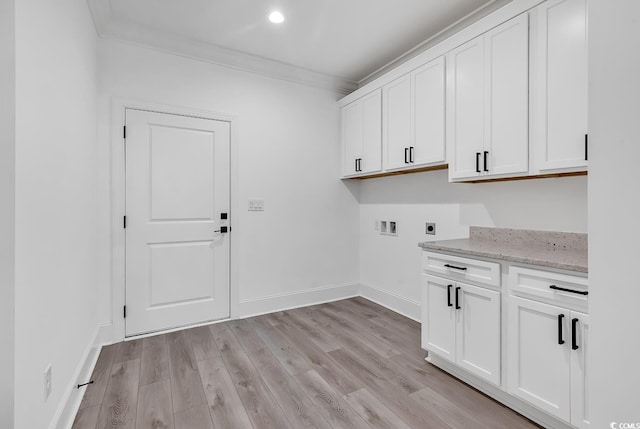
488, 104
413, 118
559, 86
362, 135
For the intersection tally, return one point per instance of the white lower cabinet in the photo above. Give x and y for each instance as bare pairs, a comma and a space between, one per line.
546, 358
461, 323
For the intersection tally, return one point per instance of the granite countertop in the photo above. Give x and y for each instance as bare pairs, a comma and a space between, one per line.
562, 250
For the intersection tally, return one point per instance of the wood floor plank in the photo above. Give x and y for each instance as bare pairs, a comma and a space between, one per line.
247, 336
373, 411
320, 361
394, 397
186, 387
87, 418
235, 358
154, 366
290, 359
343, 329
297, 406
128, 350
120, 403
94, 393
204, 347
262, 409
316, 334
154, 406
367, 305
332, 406
194, 418
225, 406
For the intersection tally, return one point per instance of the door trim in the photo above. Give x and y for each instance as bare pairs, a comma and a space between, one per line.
118, 187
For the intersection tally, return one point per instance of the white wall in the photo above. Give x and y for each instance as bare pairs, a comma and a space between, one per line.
7, 209
614, 210
391, 264
55, 231
289, 154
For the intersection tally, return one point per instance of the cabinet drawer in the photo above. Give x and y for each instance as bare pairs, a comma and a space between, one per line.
459, 268
548, 286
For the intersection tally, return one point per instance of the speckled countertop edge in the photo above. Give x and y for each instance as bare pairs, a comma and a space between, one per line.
561, 250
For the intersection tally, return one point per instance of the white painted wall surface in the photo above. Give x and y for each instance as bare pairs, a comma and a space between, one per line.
392, 264
614, 210
7, 209
289, 154
55, 231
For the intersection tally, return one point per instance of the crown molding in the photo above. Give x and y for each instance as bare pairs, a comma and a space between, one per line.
107, 28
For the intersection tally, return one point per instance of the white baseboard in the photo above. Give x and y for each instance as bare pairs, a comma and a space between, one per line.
286, 301
66, 412
405, 306
529, 411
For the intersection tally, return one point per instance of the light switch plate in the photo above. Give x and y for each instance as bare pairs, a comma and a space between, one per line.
256, 205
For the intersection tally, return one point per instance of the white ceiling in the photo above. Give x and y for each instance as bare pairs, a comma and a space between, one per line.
340, 42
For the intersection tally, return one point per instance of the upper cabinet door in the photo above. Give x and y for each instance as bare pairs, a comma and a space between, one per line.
428, 113
362, 135
506, 149
371, 133
397, 138
559, 58
465, 108
351, 137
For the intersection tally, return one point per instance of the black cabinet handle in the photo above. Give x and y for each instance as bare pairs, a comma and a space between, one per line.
356, 166
449, 296
458, 298
574, 339
477, 162
411, 154
579, 292
406, 155
560, 317
586, 147
455, 268
485, 160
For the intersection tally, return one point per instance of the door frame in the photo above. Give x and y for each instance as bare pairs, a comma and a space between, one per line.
118, 193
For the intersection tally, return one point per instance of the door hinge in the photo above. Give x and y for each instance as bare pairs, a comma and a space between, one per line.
125, 311
124, 132
124, 222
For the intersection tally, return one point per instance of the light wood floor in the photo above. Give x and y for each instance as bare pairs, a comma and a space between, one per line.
347, 364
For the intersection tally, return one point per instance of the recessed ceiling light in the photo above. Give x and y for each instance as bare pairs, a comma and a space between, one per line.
276, 17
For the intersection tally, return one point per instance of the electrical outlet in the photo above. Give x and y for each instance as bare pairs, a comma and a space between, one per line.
383, 227
389, 227
430, 228
256, 205
47, 382
376, 225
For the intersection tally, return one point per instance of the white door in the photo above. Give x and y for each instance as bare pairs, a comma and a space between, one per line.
579, 371
507, 98
397, 139
465, 109
428, 83
177, 189
438, 316
560, 85
478, 331
539, 366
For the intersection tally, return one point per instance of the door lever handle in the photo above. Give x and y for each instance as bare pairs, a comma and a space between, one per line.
222, 230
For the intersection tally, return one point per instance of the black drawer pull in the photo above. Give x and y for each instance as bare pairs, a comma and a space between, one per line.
579, 292
458, 298
560, 340
477, 162
411, 159
449, 296
406, 155
574, 340
485, 160
455, 268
